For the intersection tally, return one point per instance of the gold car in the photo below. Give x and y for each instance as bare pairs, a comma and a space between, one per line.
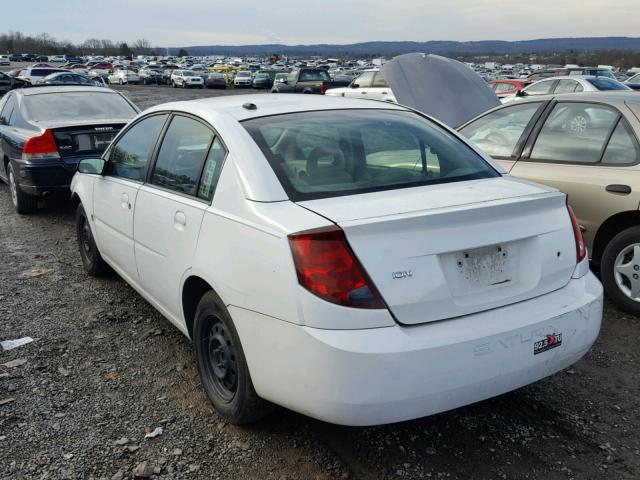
585, 145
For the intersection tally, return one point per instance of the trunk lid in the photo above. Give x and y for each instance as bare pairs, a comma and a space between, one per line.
84, 140
444, 251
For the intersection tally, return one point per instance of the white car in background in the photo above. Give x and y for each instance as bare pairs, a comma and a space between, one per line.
122, 76
354, 261
186, 79
567, 84
243, 78
369, 85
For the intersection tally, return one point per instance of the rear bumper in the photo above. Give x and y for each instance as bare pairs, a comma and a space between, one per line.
391, 374
52, 178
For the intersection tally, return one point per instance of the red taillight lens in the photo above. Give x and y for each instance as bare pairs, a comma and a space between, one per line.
323, 88
41, 146
327, 267
581, 249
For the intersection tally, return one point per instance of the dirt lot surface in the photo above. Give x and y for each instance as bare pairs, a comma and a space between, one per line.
105, 369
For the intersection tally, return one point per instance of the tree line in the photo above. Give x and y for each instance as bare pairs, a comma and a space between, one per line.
45, 44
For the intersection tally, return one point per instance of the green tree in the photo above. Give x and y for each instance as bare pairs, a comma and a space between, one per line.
183, 53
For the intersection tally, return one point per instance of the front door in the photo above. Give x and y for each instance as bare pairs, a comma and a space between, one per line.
115, 193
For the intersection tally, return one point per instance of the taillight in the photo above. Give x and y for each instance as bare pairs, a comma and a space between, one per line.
328, 268
581, 249
42, 146
323, 88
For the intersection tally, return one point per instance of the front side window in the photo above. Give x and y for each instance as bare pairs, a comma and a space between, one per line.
131, 154
342, 152
575, 132
498, 132
181, 155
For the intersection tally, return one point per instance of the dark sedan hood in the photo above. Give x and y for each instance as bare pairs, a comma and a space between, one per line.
445, 89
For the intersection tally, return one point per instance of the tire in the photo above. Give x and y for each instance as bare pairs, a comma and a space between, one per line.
184, 85
92, 261
22, 202
173, 85
120, 82
222, 364
619, 264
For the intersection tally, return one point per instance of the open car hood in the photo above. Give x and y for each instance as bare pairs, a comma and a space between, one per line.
442, 88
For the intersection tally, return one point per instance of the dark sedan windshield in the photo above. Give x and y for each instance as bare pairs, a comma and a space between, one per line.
65, 106
343, 152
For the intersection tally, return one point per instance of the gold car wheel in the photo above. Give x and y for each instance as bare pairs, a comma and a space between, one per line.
627, 271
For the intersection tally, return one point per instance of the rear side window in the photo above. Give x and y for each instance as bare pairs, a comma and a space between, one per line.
212, 169
7, 110
498, 133
623, 147
182, 154
540, 88
343, 152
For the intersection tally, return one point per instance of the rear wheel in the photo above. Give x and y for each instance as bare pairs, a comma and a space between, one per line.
91, 259
23, 203
120, 81
620, 270
222, 364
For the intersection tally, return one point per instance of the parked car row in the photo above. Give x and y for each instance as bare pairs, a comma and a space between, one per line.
269, 231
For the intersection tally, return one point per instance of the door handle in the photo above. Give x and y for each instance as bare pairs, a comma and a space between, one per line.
180, 220
623, 189
124, 201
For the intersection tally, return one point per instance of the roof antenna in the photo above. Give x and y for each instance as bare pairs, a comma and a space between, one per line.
249, 106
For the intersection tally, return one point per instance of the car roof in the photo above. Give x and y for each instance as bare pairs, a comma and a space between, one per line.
38, 90
613, 96
269, 104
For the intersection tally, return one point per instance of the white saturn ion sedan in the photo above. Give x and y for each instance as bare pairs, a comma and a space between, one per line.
354, 261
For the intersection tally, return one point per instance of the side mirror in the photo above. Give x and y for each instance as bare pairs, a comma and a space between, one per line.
521, 93
354, 85
92, 166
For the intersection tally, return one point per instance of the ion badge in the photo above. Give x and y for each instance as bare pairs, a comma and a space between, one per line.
552, 340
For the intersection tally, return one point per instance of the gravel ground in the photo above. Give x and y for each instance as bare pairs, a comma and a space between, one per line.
105, 369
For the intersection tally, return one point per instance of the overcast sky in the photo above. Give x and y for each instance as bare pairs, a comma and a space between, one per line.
235, 22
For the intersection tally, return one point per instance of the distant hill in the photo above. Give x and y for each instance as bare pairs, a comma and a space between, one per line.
495, 47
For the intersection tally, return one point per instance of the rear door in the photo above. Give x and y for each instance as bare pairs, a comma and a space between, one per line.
115, 193
589, 152
502, 133
170, 207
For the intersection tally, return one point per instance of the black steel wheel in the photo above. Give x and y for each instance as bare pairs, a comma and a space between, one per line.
91, 259
222, 365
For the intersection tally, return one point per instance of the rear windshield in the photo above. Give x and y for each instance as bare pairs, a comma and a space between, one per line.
64, 106
343, 152
604, 83
314, 76
41, 72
